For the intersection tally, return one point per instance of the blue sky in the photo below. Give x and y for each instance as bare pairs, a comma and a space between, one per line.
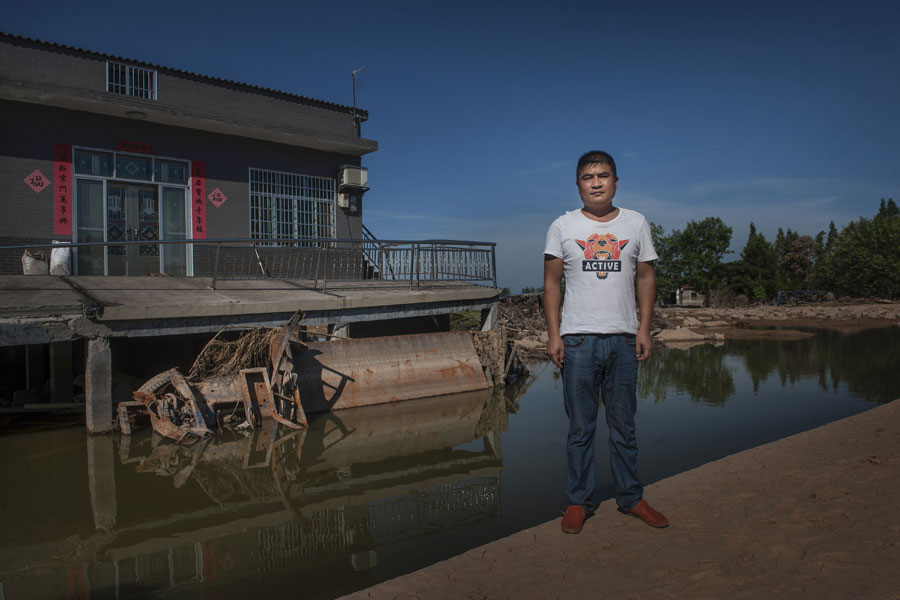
780, 113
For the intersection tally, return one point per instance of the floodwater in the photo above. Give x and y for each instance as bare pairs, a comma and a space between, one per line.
372, 493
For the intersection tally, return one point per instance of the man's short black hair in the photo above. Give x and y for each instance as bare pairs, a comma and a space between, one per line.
595, 157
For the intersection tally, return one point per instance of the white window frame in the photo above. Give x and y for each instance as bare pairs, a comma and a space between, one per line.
298, 195
131, 73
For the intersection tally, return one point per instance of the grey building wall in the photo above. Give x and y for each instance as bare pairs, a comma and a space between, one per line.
52, 94
30, 131
34, 71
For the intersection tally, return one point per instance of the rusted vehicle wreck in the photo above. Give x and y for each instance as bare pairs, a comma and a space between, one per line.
304, 378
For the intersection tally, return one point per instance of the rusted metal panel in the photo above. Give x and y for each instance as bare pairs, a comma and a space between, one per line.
160, 411
283, 388
125, 416
196, 407
325, 376
253, 385
350, 373
257, 395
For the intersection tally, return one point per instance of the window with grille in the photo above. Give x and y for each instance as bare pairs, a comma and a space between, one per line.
288, 206
131, 81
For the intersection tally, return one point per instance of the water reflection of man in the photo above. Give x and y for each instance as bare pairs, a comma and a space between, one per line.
602, 250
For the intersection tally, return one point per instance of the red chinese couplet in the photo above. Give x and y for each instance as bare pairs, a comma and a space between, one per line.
62, 189
198, 199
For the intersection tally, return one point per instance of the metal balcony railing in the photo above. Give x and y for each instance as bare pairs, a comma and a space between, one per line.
319, 259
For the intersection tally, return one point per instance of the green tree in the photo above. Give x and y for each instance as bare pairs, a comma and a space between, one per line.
867, 255
737, 280
888, 209
782, 244
759, 268
797, 262
667, 277
823, 268
699, 250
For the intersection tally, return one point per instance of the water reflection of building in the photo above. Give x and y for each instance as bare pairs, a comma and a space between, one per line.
271, 505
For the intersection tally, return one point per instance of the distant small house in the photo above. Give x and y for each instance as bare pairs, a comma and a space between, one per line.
688, 296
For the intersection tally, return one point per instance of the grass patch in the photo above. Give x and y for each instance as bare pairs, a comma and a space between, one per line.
465, 320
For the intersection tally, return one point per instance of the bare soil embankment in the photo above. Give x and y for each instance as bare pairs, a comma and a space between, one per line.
673, 325
523, 319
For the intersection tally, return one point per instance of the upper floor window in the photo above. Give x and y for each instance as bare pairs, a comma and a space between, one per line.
131, 81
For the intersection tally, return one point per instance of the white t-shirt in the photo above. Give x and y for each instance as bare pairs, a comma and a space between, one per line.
599, 262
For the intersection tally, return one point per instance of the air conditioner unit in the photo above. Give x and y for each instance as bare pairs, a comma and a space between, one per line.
353, 176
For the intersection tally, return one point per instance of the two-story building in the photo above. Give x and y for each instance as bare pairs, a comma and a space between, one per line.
153, 170
98, 148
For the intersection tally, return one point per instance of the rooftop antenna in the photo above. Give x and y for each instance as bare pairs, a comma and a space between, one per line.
355, 113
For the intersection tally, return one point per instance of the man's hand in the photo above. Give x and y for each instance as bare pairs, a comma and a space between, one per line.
646, 295
642, 344
556, 349
553, 271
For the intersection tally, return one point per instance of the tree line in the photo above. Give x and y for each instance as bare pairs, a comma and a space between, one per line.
862, 260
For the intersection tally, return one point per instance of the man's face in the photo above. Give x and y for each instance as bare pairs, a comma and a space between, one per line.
597, 185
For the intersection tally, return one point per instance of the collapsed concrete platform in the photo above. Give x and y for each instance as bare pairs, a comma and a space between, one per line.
814, 515
57, 311
44, 309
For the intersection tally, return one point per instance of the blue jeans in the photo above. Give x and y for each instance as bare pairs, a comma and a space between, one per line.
595, 365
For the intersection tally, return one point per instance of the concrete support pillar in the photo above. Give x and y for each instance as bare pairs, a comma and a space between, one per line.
35, 371
492, 444
98, 408
61, 372
342, 329
489, 318
101, 467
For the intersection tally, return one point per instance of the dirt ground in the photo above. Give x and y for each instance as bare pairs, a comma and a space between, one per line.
815, 515
523, 321
776, 321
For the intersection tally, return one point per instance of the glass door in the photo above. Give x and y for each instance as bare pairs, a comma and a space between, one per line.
89, 220
175, 256
132, 214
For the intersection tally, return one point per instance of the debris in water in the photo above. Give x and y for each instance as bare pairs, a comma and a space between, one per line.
264, 373
224, 378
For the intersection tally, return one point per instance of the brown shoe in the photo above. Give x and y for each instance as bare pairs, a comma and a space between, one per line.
645, 513
573, 521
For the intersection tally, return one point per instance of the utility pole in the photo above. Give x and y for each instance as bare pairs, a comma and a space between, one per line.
355, 113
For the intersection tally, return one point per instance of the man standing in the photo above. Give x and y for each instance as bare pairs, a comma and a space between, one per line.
601, 249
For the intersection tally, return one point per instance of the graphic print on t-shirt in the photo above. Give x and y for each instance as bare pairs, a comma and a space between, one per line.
602, 253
